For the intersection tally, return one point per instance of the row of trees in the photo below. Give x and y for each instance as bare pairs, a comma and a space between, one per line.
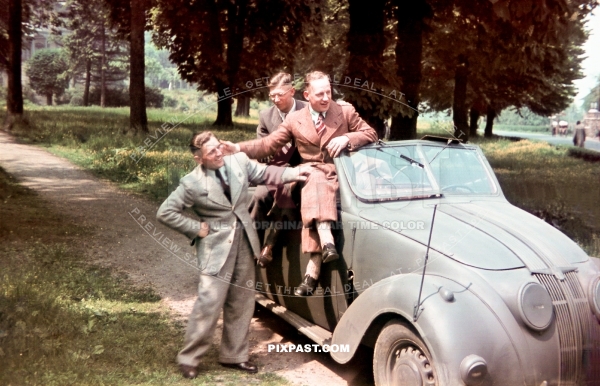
473, 57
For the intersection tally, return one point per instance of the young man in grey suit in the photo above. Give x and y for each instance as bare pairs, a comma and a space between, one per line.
226, 243
262, 210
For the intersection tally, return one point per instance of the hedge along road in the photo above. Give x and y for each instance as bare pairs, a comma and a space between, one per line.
128, 239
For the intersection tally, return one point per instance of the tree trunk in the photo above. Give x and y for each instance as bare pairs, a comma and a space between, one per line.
243, 106
409, 52
14, 99
489, 123
236, 18
459, 103
103, 68
474, 115
138, 121
366, 42
88, 81
49, 99
224, 113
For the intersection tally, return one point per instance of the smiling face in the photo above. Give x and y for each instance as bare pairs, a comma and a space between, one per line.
211, 155
318, 94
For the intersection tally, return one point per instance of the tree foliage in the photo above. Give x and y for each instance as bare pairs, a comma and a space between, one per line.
46, 71
522, 54
229, 46
96, 52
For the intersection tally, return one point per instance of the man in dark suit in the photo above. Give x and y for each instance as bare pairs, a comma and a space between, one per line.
275, 203
225, 242
321, 131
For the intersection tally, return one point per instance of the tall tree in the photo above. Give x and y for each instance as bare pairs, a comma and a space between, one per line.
411, 26
229, 46
520, 54
15, 17
366, 43
96, 52
131, 19
138, 121
14, 99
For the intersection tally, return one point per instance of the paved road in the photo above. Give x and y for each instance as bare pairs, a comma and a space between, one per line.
592, 144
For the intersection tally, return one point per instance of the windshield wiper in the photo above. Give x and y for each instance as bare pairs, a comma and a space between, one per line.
404, 157
412, 161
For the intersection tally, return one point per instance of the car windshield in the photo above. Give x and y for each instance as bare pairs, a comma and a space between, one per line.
416, 171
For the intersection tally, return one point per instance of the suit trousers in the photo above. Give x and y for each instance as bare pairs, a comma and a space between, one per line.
229, 291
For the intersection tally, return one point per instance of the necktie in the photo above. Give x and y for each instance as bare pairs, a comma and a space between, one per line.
224, 185
320, 124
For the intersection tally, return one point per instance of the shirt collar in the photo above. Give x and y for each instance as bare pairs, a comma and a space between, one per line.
315, 114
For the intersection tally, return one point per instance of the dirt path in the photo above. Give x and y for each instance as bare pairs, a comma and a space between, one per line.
129, 239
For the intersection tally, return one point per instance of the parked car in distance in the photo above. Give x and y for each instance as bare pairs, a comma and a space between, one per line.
449, 282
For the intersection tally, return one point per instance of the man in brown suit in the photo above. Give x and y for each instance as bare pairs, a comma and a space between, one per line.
321, 131
275, 203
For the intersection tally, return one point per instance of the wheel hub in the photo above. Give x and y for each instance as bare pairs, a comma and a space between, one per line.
409, 367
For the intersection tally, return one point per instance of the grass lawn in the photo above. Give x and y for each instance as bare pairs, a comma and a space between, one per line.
66, 322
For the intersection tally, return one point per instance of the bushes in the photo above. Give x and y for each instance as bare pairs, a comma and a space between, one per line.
120, 97
524, 128
584, 154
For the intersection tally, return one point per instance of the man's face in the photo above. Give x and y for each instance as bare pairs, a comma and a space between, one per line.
212, 157
318, 94
282, 97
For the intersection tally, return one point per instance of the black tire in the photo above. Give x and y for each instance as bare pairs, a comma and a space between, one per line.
401, 358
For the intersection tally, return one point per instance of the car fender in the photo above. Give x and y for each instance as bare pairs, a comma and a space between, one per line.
446, 322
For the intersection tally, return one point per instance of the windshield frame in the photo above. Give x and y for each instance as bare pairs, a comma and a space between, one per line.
420, 161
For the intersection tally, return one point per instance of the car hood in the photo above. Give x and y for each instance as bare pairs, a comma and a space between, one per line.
484, 234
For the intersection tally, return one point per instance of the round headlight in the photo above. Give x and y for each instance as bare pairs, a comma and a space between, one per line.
535, 306
595, 297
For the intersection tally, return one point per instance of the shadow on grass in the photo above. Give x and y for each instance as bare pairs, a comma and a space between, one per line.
66, 322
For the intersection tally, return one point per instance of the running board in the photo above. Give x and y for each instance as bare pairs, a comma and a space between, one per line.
315, 333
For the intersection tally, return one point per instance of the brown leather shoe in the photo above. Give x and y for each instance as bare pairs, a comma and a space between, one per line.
307, 287
248, 367
329, 253
266, 255
189, 372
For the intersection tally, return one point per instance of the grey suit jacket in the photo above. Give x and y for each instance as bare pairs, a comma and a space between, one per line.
269, 119
201, 191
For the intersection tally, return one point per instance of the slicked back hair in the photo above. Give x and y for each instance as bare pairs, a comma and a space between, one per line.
280, 79
198, 140
313, 75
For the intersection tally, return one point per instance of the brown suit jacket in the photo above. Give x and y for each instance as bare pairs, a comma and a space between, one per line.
341, 119
319, 191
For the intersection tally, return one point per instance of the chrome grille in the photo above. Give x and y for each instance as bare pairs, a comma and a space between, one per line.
578, 330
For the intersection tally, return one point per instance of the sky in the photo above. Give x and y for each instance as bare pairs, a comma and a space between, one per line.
591, 65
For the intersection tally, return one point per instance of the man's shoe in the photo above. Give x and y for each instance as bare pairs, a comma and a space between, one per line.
189, 372
266, 255
248, 367
307, 287
329, 253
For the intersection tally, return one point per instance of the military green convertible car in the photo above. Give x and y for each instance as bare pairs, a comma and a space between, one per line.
450, 283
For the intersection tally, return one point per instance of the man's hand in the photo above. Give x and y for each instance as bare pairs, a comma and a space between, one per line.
203, 232
299, 173
228, 148
336, 145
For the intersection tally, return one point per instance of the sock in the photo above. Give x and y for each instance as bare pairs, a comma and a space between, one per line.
324, 231
313, 268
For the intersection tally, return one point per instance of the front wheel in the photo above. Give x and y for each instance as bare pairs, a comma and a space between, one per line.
401, 358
